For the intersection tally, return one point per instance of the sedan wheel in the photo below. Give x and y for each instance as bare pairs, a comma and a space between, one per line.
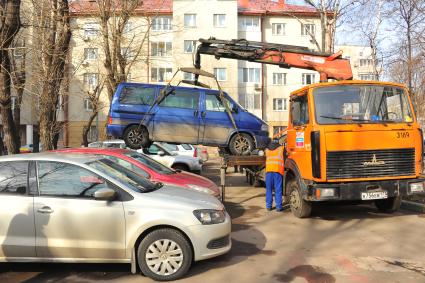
164, 254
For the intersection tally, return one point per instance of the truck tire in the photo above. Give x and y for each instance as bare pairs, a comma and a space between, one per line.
136, 138
388, 205
241, 144
170, 263
299, 207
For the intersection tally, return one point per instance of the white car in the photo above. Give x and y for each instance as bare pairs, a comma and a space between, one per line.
108, 143
180, 162
187, 150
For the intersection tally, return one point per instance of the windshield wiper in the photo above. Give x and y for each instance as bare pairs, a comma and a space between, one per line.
345, 118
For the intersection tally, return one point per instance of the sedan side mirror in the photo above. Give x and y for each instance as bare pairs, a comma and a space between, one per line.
105, 194
161, 153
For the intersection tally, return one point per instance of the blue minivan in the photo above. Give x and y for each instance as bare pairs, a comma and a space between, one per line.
185, 115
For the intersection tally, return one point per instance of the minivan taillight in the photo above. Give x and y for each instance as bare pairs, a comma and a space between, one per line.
195, 152
109, 120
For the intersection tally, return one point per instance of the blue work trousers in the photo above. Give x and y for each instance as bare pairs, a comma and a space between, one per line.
273, 181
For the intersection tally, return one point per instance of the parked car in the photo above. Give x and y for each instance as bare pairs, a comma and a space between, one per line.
85, 208
185, 115
108, 143
179, 162
187, 149
152, 169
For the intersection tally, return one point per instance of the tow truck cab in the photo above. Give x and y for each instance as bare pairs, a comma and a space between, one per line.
352, 140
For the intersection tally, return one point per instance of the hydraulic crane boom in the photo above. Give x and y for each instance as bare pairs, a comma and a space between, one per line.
329, 66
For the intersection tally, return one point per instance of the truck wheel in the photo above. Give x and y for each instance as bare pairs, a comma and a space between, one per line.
135, 137
241, 144
299, 207
164, 255
388, 205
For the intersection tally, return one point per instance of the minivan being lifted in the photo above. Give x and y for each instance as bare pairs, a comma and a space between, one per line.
143, 113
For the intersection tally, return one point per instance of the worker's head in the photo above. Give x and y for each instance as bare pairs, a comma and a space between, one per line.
273, 144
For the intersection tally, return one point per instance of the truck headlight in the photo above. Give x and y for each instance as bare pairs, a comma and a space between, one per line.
265, 127
201, 189
417, 187
210, 216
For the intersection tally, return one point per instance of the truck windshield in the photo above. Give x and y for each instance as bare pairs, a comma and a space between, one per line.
361, 104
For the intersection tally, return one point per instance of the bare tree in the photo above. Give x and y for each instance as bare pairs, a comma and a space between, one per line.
52, 35
93, 97
9, 27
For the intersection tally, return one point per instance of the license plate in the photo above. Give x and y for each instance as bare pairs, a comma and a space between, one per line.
374, 195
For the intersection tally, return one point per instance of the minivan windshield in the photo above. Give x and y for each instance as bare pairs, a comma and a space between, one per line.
121, 174
344, 104
149, 162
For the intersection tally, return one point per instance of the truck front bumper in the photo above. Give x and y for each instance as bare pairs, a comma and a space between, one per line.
358, 190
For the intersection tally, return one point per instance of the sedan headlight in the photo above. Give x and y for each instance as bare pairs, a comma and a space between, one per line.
265, 127
200, 189
210, 216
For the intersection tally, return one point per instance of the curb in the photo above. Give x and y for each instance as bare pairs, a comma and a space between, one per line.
413, 206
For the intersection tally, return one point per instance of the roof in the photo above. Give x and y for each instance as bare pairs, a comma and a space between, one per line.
165, 7
51, 156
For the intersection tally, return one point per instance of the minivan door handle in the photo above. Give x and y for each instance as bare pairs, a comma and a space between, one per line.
45, 209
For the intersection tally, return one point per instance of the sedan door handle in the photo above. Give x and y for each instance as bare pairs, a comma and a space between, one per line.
45, 209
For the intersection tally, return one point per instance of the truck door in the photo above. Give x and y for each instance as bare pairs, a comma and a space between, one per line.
177, 117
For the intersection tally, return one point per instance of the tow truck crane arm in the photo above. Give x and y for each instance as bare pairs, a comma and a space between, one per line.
329, 66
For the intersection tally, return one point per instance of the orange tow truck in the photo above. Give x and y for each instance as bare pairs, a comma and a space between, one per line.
347, 140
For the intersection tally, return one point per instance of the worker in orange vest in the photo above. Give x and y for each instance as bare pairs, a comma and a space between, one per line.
274, 175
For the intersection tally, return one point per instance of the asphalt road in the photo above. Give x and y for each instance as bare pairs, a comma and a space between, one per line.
337, 244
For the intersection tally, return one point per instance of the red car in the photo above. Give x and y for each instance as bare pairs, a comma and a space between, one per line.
151, 169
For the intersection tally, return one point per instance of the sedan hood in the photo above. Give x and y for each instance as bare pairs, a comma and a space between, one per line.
187, 178
178, 196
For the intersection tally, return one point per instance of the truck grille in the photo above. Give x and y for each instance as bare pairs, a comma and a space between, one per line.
370, 163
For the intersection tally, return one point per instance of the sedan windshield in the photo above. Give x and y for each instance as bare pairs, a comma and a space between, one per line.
361, 104
149, 162
124, 175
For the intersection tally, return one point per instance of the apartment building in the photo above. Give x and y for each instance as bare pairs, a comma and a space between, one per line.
361, 61
166, 32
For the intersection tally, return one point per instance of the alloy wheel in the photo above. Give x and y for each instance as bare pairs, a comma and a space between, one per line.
241, 144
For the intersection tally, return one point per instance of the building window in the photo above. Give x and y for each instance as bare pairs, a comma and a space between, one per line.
161, 24
188, 76
128, 27
250, 101
308, 29
59, 106
278, 29
161, 49
91, 80
161, 74
91, 30
367, 77
91, 53
249, 24
189, 20
19, 48
189, 46
278, 129
280, 104
308, 79
279, 78
249, 75
88, 106
365, 62
220, 74
219, 20
93, 134
127, 53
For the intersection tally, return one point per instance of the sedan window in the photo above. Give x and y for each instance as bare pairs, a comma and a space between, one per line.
13, 177
62, 179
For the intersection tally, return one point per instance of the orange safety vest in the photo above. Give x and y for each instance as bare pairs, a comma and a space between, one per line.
274, 160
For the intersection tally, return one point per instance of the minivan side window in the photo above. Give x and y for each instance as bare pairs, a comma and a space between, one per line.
299, 110
212, 103
13, 177
137, 95
180, 98
67, 180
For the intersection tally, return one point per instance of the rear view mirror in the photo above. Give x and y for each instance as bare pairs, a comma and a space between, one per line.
105, 194
235, 109
161, 153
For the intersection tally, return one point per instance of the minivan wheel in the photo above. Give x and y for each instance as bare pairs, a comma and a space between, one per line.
299, 207
164, 254
388, 205
135, 137
241, 144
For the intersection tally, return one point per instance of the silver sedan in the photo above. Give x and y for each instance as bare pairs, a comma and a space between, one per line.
82, 208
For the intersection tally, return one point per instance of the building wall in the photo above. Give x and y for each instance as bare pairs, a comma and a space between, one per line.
360, 60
